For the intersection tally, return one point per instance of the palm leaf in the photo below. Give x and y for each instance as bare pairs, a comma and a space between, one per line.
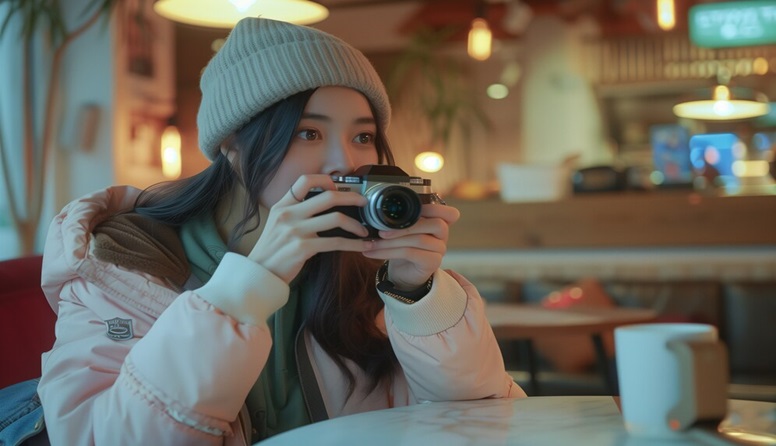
48, 14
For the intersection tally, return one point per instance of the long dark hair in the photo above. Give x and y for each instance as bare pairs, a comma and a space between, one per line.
343, 317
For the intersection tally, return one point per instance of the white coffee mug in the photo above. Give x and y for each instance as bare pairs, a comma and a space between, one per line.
671, 376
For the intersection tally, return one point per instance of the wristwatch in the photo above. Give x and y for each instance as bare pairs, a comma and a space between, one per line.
385, 286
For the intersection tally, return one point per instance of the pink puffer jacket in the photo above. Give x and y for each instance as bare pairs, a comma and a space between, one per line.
137, 363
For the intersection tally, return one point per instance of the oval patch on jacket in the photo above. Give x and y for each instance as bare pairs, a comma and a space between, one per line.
119, 329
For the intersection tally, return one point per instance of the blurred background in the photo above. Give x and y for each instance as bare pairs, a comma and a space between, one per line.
515, 102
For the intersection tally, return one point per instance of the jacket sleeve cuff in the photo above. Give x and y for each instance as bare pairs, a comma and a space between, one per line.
437, 311
245, 290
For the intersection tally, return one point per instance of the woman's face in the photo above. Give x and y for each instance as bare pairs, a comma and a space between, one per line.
335, 136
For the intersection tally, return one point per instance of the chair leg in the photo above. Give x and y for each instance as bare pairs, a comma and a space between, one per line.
603, 364
530, 355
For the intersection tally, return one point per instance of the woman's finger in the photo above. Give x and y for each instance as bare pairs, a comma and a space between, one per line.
328, 199
436, 227
302, 186
332, 220
446, 213
403, 247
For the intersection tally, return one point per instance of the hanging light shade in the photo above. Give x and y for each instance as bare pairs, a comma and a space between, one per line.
226, 13
723, 103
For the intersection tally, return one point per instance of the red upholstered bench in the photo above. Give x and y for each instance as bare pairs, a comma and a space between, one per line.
26, 320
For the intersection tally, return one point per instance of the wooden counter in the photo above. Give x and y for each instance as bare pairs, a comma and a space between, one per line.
606, 220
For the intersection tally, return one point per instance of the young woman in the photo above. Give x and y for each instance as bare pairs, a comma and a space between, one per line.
210, 310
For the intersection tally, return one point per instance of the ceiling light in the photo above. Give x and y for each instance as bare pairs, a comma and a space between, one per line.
666, 16
480, 39
226, 13
497, 91
429, 161
724, 103
171, 151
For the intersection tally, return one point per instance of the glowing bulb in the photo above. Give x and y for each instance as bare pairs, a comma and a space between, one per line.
429, 161
722, 108
480, 40
171, 152
721, 93
497, 91
666, 18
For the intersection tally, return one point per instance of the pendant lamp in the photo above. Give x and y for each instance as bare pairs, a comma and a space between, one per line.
171, 150
723, 103
226, 13
480, 39
666, 14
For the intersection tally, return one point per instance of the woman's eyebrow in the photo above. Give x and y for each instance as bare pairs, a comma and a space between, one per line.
320, 117
365, 120
316, 116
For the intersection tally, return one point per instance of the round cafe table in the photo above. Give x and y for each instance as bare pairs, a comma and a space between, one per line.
526, 322
532, 421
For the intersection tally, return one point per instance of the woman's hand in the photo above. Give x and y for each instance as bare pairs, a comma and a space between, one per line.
290, 235
416, 252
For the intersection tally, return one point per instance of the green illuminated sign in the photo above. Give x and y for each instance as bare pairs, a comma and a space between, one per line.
741, 23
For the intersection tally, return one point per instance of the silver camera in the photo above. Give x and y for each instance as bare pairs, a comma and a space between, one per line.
394, 199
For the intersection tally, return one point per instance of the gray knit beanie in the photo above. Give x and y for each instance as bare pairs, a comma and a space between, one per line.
264, 61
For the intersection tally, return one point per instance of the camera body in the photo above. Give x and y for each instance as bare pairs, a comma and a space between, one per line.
394, 199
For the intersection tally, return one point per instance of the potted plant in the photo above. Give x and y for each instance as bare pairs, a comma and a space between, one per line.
430, 81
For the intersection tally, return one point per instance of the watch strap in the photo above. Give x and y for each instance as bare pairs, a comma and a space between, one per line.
387, 287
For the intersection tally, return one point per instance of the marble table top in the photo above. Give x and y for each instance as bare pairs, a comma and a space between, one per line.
534, 421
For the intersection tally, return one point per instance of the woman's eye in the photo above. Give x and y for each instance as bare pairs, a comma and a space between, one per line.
308, 134
365, 138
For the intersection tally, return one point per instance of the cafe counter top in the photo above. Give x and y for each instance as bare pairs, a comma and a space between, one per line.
616, 220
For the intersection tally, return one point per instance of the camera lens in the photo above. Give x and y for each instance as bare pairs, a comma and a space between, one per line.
392, 207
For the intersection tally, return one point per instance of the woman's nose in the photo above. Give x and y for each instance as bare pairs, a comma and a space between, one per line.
339, 160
